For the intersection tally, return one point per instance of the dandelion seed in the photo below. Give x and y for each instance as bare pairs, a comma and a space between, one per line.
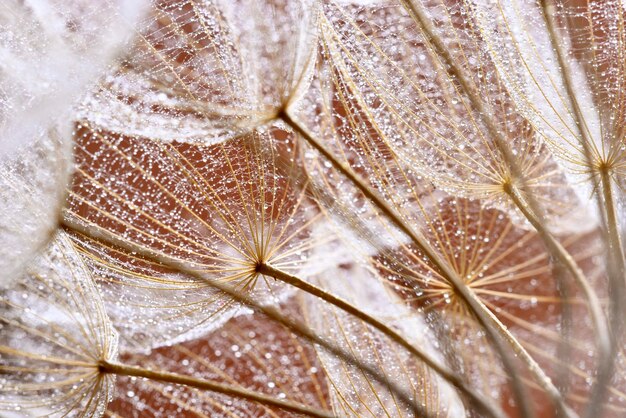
420, 170
53, 341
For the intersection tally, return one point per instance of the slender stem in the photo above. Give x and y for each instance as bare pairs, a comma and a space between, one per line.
454, 70
347, 307
604, 182
543, 380
579, 119
616, 269
616, 290
493, 329
271, 312
564, 349
210, 385
601, 328
615, 241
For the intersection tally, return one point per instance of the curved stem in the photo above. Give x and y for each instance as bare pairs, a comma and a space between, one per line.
616, 269
603, 171
564, 257
616, 246
210, 385
452, 67
347, 307
298, 328
493, 329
